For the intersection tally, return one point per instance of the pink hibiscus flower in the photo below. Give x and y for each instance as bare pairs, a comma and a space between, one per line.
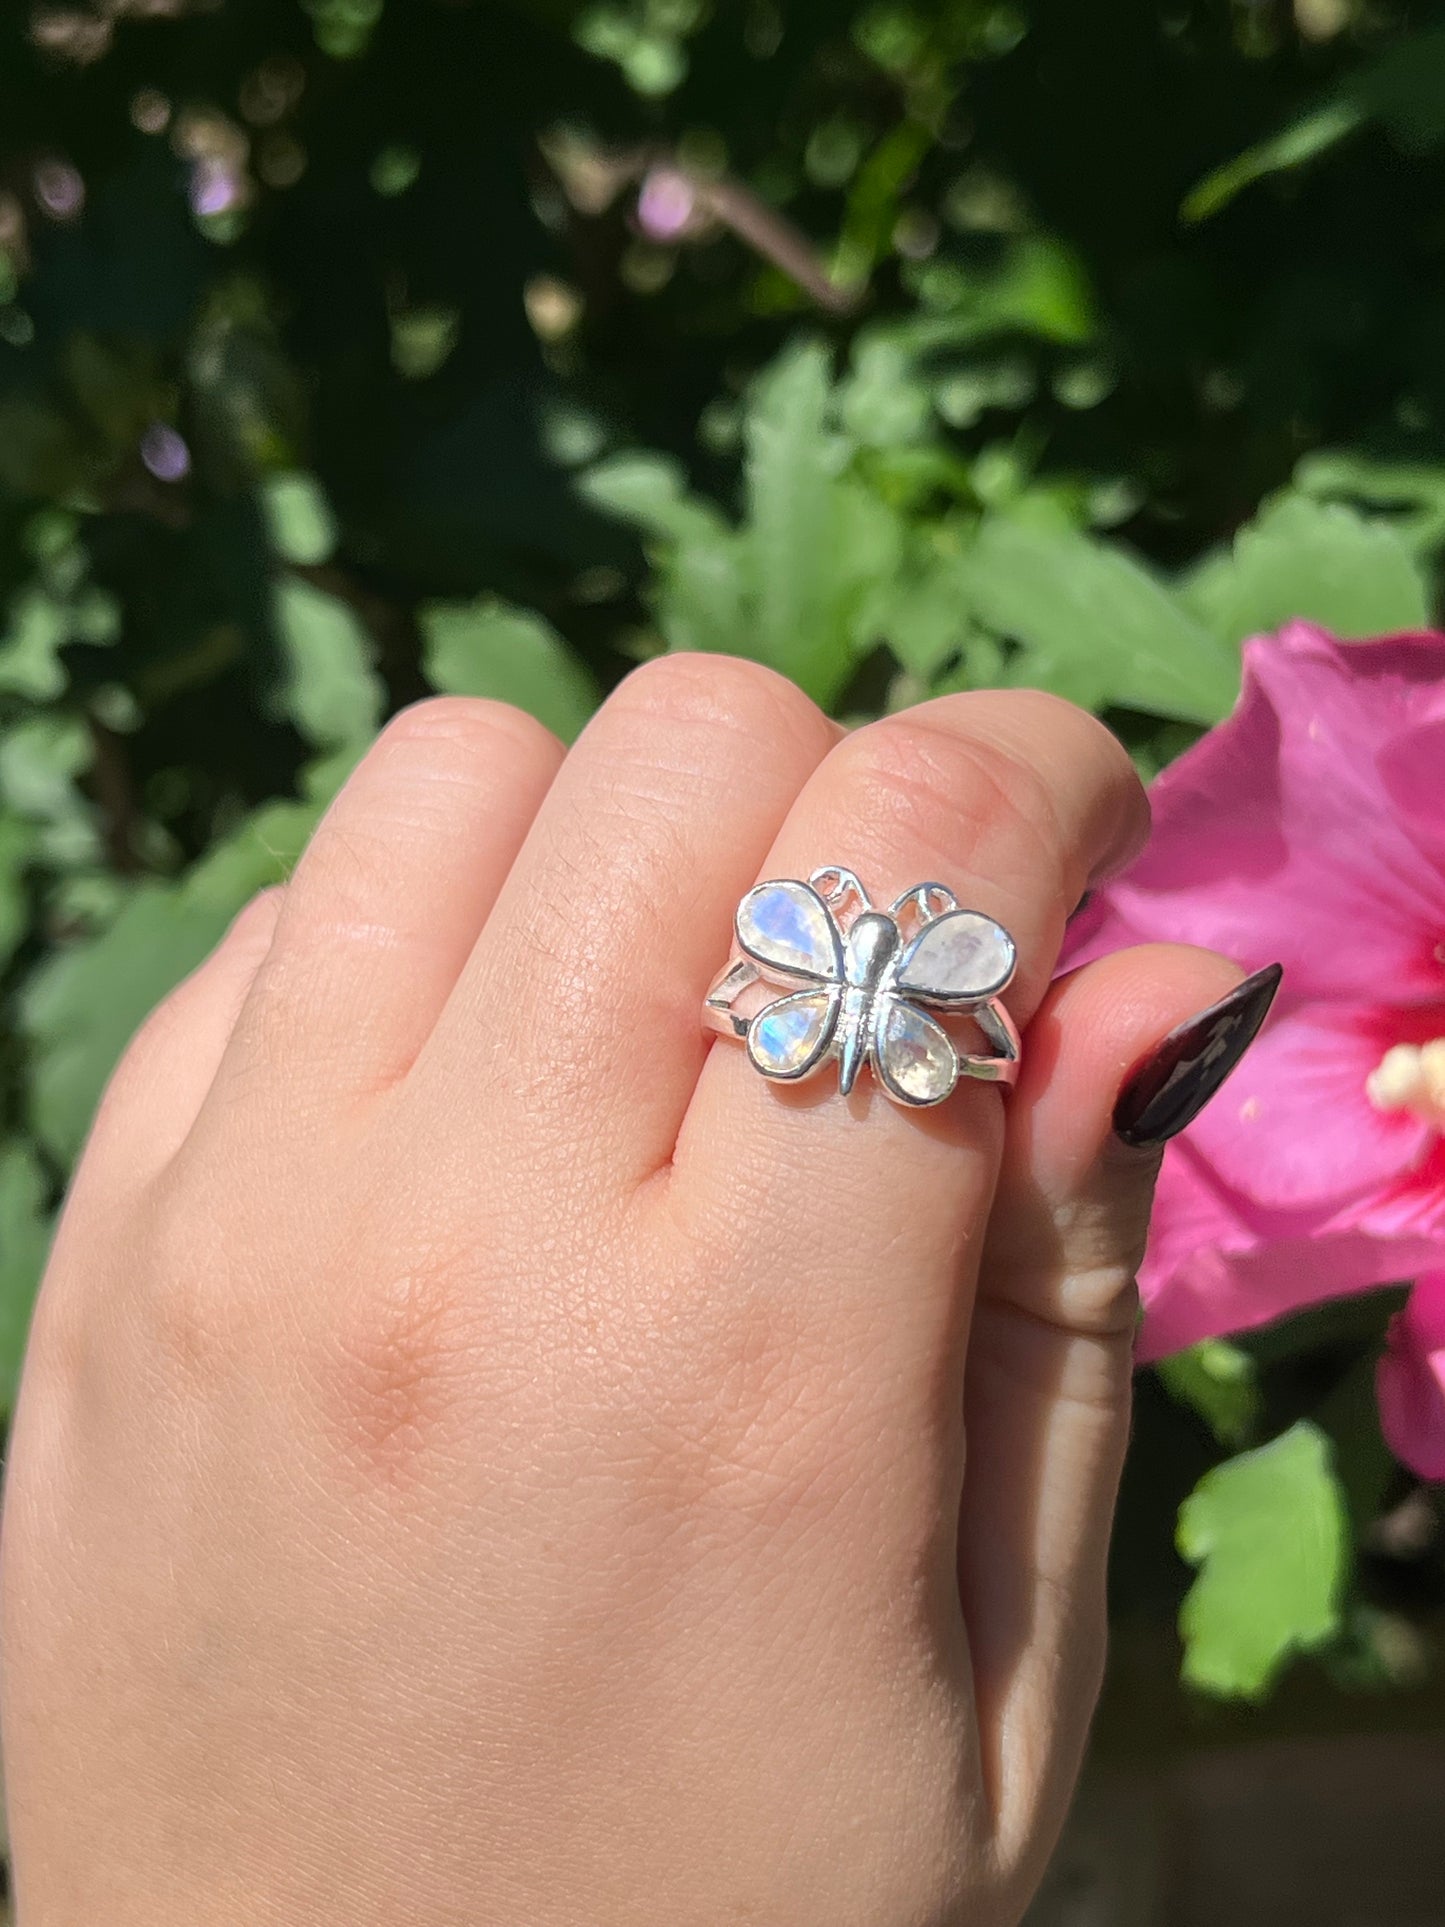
1411, 1381
1309, 829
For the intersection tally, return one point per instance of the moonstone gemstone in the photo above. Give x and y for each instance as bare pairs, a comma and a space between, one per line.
961, 957
917, 1057
786, 925
786, 1037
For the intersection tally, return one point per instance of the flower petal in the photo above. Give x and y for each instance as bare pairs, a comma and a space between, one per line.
1410, 768
1215, 1265
1277, 837
1294, 1128
1410, 1383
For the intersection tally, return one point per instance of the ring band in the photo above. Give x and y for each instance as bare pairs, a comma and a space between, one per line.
867, 986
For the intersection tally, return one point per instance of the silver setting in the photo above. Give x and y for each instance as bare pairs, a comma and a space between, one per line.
867, 986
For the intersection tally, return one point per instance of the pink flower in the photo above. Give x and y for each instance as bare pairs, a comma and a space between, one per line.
1309, 829
1411, 1380
667, 204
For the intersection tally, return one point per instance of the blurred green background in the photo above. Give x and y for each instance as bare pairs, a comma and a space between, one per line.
352, 348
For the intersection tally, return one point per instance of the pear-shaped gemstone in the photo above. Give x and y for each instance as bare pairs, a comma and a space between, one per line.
959, 958
787, 926
915, 1056
789, 1037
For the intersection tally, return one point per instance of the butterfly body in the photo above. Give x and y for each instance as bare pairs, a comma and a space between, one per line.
869, 976
869, 954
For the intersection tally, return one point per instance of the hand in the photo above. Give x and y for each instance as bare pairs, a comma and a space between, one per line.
486, 1457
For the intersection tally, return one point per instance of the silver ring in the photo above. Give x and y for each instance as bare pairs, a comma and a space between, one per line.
862, 983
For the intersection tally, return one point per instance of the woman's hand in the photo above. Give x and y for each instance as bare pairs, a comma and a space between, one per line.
486, 1457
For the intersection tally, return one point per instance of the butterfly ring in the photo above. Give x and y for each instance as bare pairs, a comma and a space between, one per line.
862, 986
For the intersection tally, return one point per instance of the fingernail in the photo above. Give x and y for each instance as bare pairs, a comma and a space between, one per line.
1180, 1075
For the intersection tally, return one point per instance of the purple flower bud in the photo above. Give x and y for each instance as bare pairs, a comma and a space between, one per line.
59, 189
666, 205
216, 185
165, 453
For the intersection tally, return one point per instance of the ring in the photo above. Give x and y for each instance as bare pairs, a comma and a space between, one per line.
862, 983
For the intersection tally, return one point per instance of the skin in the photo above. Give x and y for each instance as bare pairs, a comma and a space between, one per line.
486, 1456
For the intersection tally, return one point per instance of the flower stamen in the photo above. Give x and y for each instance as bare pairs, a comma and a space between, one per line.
1411, 1077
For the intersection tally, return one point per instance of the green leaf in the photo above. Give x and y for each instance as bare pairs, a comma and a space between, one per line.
422, 339
343, 28
1268, 1530
1219, 1382
81, 1006
1410, 495
650, 492
331, 692
868, 549
24, 1240
17, 847
1094, 624
41, 759
1304, 140
488, 648
1040, 288
298, 518
925, 619
1044, 289
265, 848
30, 662
793, 460
1316, 561
801, 585
1350, 1416
1403, 89
700, 588
884, 402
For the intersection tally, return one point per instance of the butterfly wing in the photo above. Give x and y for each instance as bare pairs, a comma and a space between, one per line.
787, 928
791, 1037
913, 1056
958, 959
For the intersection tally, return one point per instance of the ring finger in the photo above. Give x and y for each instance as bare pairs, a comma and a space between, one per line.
1014, 800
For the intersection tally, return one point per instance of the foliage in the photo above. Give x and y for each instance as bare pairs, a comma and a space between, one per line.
989, 343
1268, 1529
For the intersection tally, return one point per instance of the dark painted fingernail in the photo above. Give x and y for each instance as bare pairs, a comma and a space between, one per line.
1180, 1075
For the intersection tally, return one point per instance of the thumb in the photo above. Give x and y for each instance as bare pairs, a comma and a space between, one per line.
1122, 1054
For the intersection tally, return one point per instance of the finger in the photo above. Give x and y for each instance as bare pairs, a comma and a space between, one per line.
578, 1011
159, 1085
1050, 1360
390, 895
1012, 799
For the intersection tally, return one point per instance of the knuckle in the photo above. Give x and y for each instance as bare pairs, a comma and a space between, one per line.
243, 947
252, 929
130, 1072
198, 1318
476, 727
191, 1342
1078, 1276
395, 1371
1030, 710
59, 1347
941, 789
1029, 713
725, 693
1020, 719
1088, 1301
405, 794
